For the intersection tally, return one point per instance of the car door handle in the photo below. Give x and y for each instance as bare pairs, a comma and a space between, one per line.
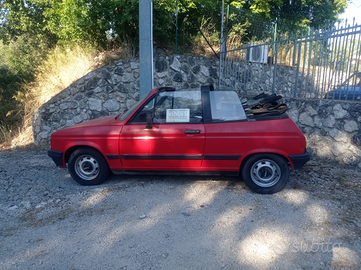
192, 131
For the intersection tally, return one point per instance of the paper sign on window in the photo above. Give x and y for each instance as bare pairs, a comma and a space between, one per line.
177, 116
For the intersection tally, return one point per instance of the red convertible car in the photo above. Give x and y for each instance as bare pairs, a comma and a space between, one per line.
190, 132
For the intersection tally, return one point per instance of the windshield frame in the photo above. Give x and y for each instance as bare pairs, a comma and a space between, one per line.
127, 113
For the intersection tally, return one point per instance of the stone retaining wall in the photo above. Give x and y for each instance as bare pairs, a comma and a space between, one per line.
332, 128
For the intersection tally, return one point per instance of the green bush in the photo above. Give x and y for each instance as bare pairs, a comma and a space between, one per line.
10, 109
18, 62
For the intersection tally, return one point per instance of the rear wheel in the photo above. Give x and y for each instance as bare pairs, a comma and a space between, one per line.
88, 167
265, 173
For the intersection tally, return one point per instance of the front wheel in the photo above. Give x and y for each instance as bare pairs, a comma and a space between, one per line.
265, 173
88, 167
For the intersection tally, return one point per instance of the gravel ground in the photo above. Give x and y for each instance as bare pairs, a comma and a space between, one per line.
48, 221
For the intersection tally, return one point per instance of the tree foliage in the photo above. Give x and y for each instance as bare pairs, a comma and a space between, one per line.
22, 17
18, 62
299, 13
98, 22
92, 22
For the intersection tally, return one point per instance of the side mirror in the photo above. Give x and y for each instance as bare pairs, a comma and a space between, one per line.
149, 121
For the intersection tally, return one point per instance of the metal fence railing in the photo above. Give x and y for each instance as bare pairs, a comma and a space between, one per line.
310, 64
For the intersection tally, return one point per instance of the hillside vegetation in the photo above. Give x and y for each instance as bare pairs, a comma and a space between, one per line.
45, 45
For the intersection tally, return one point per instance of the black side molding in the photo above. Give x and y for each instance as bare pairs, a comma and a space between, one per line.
149, 172
221, 157
57, 157
300, 160
163, 157
112, 156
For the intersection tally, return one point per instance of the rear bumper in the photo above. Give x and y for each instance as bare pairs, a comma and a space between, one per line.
300, 160
57, 157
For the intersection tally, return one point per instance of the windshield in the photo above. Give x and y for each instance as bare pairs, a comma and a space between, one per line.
130, 110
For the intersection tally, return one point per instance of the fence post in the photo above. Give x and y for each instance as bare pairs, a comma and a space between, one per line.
299, 45
275, 69
275, 36
307, 45
222, 48
176, 28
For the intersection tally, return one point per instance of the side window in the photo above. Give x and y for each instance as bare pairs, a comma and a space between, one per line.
141, 116
163, 102
226, 106
178, 107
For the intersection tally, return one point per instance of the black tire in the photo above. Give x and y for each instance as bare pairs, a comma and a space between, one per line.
88, 167
265, 173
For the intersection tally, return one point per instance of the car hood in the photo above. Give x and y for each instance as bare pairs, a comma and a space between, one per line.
103, 126
101, 121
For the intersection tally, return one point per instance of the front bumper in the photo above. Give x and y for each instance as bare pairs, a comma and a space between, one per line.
300, 160
57, 157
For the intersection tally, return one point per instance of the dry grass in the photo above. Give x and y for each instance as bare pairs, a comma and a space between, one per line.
200, 45
62, 67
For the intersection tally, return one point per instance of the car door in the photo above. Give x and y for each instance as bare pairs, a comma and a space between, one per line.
166, 134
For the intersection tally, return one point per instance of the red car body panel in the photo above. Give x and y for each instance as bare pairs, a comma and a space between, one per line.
245, 138
162, 140
97, 133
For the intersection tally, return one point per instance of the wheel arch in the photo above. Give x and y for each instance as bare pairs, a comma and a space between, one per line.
244, 160
87, 165
71, 150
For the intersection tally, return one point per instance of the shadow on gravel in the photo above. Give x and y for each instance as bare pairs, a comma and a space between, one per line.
177, 222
